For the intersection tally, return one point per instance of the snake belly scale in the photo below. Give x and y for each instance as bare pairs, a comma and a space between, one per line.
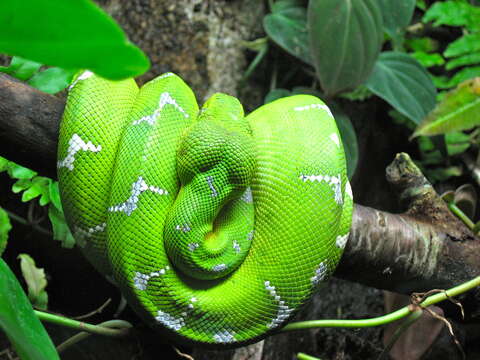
217, 227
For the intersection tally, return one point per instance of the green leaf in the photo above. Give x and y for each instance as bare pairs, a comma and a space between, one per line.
54, 193
52, 80
457, 143
453, 13
400, 80
61, 232
423, 44
396, 16
3, 164
349, 139
287, 27
443, 174
38, 186
428, 60
467, 59
345, 39
19, 322
282, 5
464, 45
36, 281
5, 228
20, 68
69, 34
459, 110
16, 171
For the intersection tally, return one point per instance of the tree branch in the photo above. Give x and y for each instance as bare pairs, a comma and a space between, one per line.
422, 248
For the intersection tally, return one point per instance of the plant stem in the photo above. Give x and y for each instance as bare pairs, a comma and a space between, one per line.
385, 319
460, 214
80, 325
120, 324
410, 319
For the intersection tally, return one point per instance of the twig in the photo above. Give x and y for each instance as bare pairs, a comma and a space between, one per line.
96, 311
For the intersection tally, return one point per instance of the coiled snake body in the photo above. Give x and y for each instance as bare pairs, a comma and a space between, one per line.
215, 226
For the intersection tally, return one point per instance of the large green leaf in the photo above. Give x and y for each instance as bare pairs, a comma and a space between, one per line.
459, 110
287, 27
396, 16
69, 34
400, 80
345, 38
19, 322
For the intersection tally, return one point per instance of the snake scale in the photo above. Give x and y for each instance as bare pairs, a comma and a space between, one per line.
217, 227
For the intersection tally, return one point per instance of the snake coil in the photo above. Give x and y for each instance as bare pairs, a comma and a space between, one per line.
216, 227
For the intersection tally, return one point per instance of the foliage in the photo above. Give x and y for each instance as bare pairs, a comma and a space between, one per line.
46, 190
28, 336
77, 34
5, 228
353, 50
36, 281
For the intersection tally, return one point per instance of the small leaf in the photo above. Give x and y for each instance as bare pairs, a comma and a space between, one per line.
396, 16
468, 59
61, 232
36, 281
19, 322
52, 80
3, 164
453, 13
54, 193
38, 186
459, 110
20, 68
428, 60
19, 172
288, 29
77, 34
5, 228
464, 45
457, 143
400, 80
443, 174
345, 39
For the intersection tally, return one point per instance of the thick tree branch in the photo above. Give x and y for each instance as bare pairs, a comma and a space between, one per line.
422, 248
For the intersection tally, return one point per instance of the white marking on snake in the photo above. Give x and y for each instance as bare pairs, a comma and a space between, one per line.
224, 336
335, 139
210, 185
193, 246
140, 281
192, 300
83, 76
75, 144
183, 228
250, 235
163, 76
165, 99
334, 181
247, 196
130, 204
320, 273
236, 246
348, 190
341, 241
283, 310
170, 321
80, 234
314, 106
219, 267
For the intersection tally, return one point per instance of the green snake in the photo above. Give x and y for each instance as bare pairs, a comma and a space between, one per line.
217, 227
